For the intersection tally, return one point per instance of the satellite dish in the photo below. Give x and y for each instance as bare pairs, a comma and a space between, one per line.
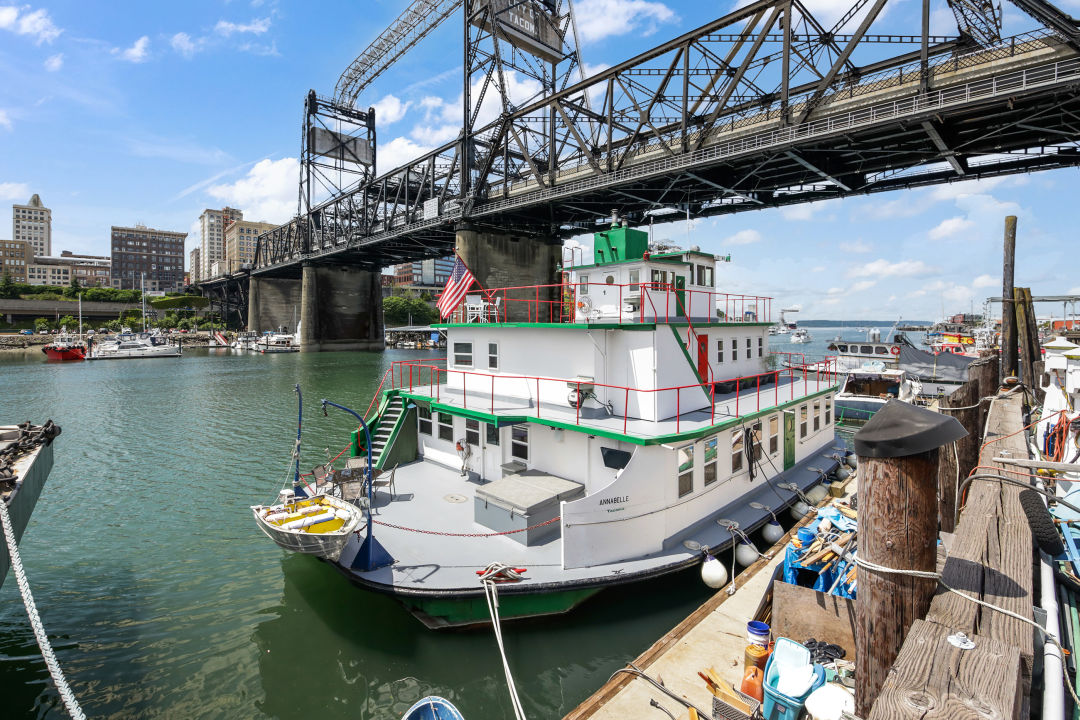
585, 305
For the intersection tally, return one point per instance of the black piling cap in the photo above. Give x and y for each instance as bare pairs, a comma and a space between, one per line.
900, 429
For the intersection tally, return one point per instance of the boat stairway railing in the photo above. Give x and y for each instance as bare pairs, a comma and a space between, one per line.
423, 378
389, 423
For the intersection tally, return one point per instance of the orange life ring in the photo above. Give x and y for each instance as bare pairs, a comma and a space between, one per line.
894, 350
459, 446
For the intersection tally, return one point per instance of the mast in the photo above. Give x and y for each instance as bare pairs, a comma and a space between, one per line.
80, 316
142, 293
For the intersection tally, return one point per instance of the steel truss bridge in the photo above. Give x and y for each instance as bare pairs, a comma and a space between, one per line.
764, 107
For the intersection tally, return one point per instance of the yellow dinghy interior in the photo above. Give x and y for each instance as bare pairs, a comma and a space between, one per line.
312, 515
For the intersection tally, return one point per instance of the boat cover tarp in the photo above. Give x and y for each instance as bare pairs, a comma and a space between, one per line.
928, 366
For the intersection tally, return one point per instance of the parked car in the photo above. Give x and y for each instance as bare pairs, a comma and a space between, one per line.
43, 332
26, 332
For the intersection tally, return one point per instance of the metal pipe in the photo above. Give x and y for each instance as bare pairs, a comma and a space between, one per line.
296, 451
1053, 692
370, 544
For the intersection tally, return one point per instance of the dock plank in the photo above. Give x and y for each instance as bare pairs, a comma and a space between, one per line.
933, 679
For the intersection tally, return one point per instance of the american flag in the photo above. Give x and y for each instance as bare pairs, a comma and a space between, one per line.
461, 279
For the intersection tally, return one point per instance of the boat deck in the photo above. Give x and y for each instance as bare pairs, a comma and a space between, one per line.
429, 529
727, 406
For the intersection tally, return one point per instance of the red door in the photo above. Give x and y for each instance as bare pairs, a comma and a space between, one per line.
703, 357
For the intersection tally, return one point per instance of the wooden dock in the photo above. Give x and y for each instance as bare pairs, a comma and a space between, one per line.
990, 557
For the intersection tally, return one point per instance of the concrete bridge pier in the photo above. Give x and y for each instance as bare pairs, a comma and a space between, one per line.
340, 309
499, 260
273, 303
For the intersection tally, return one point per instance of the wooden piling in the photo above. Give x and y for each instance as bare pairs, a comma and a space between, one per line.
957, 459
897, 529
1009, 360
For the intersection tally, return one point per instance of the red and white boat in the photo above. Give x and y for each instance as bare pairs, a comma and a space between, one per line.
65, 347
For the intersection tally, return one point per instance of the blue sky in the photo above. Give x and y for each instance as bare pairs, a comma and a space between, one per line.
126, 112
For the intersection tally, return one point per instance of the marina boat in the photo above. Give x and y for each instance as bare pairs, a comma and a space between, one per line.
801, 335
65, 347
130, 344
318, 525
244, 340
648, 436
939, 374
866, 390
275, 342
433, 707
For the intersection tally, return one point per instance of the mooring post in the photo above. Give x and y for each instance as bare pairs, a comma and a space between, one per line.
898, 518
1010, 359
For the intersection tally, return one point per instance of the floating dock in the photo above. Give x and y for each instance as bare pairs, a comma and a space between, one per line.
30, 470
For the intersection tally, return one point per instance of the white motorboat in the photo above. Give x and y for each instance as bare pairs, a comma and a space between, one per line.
866, 390
244, 340
939, 373
649, 433
275, 342
318, 525
801, 335
134, 345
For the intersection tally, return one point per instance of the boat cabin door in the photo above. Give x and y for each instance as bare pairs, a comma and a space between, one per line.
703, 357
789, 439
680, 297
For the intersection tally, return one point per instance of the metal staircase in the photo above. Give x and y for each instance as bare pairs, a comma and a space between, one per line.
384, 431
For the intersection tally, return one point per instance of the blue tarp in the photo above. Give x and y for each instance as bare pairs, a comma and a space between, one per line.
825, 579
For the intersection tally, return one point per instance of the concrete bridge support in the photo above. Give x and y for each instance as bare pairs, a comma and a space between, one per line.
341, 309
507, 260
273, 303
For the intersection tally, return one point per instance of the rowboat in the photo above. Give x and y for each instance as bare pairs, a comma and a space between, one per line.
318, 525
433, 707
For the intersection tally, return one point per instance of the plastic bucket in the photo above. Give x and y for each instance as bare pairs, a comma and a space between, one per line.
757, 633
806, 535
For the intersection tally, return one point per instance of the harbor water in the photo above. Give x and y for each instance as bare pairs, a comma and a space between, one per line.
163, 600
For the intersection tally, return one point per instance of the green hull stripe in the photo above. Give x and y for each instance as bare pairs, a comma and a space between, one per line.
472, 610
693, 366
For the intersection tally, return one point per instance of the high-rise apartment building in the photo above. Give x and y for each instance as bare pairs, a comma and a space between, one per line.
157, 254
193, 265
240, 238
33, 223
212, 225
16, 256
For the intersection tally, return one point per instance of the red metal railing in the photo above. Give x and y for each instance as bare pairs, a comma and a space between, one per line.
413, 375
562, 303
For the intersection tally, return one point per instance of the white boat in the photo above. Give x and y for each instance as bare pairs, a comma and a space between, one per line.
866, 390
801, 335
129, 344
318, 525
244, 340
939, 374
275, 342
609, 437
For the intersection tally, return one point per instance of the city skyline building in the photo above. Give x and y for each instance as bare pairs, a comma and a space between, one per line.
32, 223
429, 273
240, 236
157, 254
193, 265
16, 257
212, 224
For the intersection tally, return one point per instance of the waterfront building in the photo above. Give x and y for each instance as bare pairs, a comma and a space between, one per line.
89, 270
431, 273
240, 236
212, 224
32, 223
16, 256
141, 250
193, 265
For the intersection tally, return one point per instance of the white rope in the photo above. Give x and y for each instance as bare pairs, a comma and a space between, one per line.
491, 594
51, 662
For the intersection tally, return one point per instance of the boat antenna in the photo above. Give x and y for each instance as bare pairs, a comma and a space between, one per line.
296, 451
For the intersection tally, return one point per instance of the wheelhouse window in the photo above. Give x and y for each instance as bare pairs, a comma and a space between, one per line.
828, 411
446, 427
685, 456
842, 348
736, 450
720, 351
472, 432
734, 349
519, 442
817, 416
423, 420
493, 356
866, 349
463, 354
802, 421
880, 350
491, 434
774, 434
760, 347
583, 283
635, 280
704, 275
710, 460
748, 355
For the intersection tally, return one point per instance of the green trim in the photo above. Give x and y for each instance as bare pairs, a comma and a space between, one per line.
667, 259
381, 460
693, 366
590, 430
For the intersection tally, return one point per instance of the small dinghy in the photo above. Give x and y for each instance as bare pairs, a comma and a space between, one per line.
433, 707
318, 525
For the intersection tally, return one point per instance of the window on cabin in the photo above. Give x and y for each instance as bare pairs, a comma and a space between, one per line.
866, 349
491, 434
828, 411
519, 442
685, 456
463, 354
710, 459
736, 450
720, 351
774, 434
734, 349
817, 416
756, 431
802, 421
583, 283
760, 347
635, 279
880, 350
423, 420
748, 351
446, 427
842, 348
493, 356
472, 432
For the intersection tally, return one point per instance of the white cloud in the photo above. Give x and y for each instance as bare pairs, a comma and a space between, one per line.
14, 191
986, 281
950, 227
818, 268
54, 62
182, 43
37, 24
137, 53
389, 110
5, 120
835, 291
885, 268
256, 27
267, 193
863, 285
177, 150
598, 19
802, 211
743, 237
858, 247
1074, 290
952, 293
397, 152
